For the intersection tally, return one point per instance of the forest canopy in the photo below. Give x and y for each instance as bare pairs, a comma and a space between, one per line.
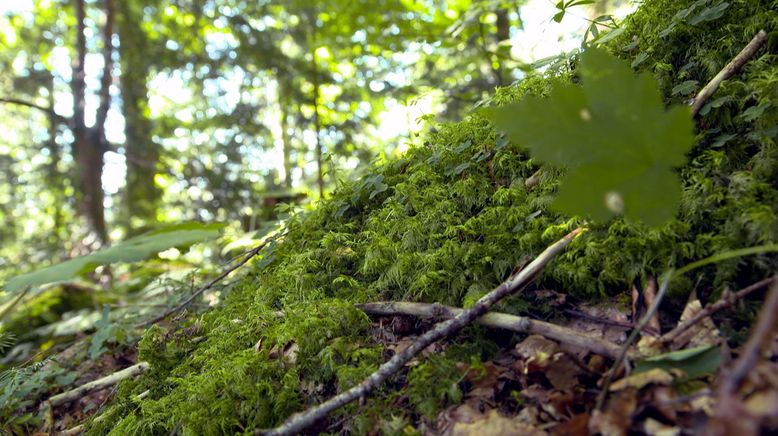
388, 216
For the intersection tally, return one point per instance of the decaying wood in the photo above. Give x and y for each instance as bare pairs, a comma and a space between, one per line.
723, 303
498, 320
98, 384
732, 67
300, 421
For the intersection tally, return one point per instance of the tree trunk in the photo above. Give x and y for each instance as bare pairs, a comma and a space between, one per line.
503, 34
283, 102
316, 119
87, 146
142, 155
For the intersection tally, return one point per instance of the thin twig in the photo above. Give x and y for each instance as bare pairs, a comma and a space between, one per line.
300, 421
732, 67
253, 252
723, 303
750, 355
498, 320
625, 347
98, 384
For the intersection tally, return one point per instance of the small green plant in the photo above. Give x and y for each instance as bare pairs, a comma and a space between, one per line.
131, 250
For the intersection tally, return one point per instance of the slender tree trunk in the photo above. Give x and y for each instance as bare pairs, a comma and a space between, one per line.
316, 118
54, 178
142, 194
503, 34
284, 106
87, 147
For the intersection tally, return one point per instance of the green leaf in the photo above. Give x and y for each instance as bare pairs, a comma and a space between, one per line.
639, 59
132, 250
613, 135
559, 16
685, 88
694, 362
709, 14
754, 112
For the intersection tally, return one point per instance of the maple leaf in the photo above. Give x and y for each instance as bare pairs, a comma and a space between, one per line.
614, 136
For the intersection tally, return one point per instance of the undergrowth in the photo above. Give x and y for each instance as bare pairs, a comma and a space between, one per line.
446, 223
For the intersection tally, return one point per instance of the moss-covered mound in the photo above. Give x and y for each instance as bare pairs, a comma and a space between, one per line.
449, 221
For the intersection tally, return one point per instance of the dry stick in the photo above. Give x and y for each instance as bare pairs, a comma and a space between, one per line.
300, 421
732, 67
747, 360
599, 320
98, 384
253, 252
625, 347
723, 303
498, 320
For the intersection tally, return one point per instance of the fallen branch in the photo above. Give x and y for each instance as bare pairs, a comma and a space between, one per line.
498, 320
732, 67
253, 252
300, 421
98, 384
723, 303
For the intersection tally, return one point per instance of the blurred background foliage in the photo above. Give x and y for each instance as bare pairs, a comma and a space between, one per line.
118, 116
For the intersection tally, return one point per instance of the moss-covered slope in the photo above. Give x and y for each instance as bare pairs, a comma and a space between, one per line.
449, 221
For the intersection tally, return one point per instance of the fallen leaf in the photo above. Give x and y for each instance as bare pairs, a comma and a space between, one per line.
654, 427
578, 425
537, 352
616, 419
611, 333
656, 376
495, 424
563, 373
703, 332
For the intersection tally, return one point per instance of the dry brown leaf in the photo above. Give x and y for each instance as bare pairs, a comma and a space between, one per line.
492, 423
653, 327
556, 403
616, 419
703, 332
654, 427
537, 352
563, 373
655, 376
578, 425
598, 329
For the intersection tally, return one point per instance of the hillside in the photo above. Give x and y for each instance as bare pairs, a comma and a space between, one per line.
451, 220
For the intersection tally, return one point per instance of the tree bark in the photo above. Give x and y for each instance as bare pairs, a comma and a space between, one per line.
316, 118
283, 101
503, 34
87, 146
142, 196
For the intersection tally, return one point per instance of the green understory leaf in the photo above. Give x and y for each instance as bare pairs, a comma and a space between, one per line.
613, 135
694, 362
132, 250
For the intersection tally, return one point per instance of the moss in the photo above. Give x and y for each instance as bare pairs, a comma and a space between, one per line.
447, 222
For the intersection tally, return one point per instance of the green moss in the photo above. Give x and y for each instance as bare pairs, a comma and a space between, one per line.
446, 223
